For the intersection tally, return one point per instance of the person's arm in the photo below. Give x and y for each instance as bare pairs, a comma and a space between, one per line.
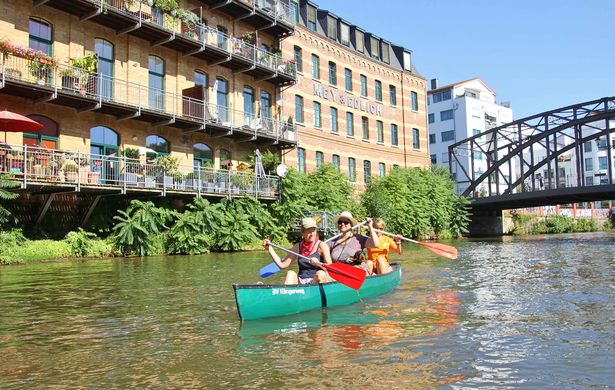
398, 244
276, 259
374, 240
325, 254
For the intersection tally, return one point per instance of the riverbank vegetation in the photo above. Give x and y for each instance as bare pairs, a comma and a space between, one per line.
556, 224
415, 202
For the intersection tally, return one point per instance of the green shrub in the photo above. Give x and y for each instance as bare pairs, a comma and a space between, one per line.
586, 225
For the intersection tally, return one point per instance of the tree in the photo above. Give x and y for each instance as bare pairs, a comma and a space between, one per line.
5, 182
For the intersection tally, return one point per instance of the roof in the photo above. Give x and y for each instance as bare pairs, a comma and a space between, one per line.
460, 83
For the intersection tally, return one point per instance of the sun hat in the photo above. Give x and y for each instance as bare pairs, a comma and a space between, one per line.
307, 223
347, 215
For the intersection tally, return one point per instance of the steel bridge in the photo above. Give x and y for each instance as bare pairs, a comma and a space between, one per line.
539, 160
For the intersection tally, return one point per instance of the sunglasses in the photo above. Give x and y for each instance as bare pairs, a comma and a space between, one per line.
340, 222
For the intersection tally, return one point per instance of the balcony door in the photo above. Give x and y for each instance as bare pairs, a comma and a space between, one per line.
266, 111
105, 156
104, 50
156, 83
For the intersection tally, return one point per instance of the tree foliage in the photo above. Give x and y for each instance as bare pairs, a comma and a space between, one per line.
417, 202
194, 229
328, 189
5, 182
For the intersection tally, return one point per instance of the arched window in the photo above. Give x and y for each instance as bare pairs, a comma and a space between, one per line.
203, 156
225, 159
156, 83
159, 145
222, 99
105, 52
248, 105
105, 151
46, 137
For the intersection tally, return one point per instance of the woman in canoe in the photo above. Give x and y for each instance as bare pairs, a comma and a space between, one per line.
378, 257
347, 248
310, 246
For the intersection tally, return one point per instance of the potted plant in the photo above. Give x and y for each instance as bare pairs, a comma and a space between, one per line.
70, 170
165, 167
83, 67
249, 37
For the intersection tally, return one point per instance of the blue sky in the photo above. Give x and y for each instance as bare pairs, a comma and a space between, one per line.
537, 54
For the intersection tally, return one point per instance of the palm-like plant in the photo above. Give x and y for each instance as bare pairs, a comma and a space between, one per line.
235, 230
193, 232
5, 182
139, 227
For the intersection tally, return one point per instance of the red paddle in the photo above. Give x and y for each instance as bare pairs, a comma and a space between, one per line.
347, 275
450, 252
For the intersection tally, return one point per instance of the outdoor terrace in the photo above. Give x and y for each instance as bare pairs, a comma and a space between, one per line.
44, 81
53, 171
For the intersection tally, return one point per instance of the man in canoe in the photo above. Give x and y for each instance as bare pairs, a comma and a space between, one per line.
347, 247
310, 271
378, 258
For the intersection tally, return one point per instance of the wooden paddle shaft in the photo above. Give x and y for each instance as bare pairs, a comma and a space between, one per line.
341, 234
395, 235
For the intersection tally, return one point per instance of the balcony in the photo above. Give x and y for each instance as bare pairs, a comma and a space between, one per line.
72, 87
196, 39
51, 170
273, 16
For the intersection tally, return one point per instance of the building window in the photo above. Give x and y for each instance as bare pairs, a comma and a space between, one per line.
589, 180
441, 96
374, 48
311, 17
349, 124
352, 169
266, 106
248, 105
407, 61
203, 156
332, 73
348, 77
222, 38
416, 139
334, 127
446, 136
47, 136
392, 95
587, 147
431, 118
301, 160
345, 34
476, 132
363, 85
365, 127
382, 169
200, 78
298, 59
315, 67
394, 136
106, 142
602, 163
159, 145
332, 28
432, 139
359, 41
104, 50
294, 11
378, 90
40, 38
319, 159
317, 116
446, 115
589, 164
222, 99
299, 109
380, 130
156, 83
335, 160
367, 171
385, 53
414, 97
477, 155
434, 159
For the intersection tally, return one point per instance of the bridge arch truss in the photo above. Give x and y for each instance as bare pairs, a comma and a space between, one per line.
518, 153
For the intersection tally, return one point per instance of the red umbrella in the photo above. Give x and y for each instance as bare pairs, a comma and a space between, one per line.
16, 123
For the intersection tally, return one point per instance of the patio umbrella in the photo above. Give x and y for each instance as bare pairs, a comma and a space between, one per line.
16, 123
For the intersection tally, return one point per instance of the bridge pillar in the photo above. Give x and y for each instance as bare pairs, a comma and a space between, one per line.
487, 223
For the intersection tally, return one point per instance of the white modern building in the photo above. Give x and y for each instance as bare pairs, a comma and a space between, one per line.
458, 111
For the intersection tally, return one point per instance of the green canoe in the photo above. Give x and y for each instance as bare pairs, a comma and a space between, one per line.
256, 301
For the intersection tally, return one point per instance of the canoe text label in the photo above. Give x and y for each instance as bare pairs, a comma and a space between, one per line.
285, 291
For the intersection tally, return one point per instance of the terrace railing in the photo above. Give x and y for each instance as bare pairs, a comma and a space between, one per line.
102, 88
36, 165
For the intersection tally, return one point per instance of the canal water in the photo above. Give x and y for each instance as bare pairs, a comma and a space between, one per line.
531, 313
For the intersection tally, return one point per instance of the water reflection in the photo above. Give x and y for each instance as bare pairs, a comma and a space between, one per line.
523, 313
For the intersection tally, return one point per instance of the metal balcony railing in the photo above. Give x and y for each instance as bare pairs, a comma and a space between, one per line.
36, 165
102, 88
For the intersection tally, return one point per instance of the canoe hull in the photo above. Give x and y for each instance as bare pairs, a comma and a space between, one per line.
263, 301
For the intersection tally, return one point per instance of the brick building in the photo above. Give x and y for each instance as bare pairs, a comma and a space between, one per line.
359, 103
